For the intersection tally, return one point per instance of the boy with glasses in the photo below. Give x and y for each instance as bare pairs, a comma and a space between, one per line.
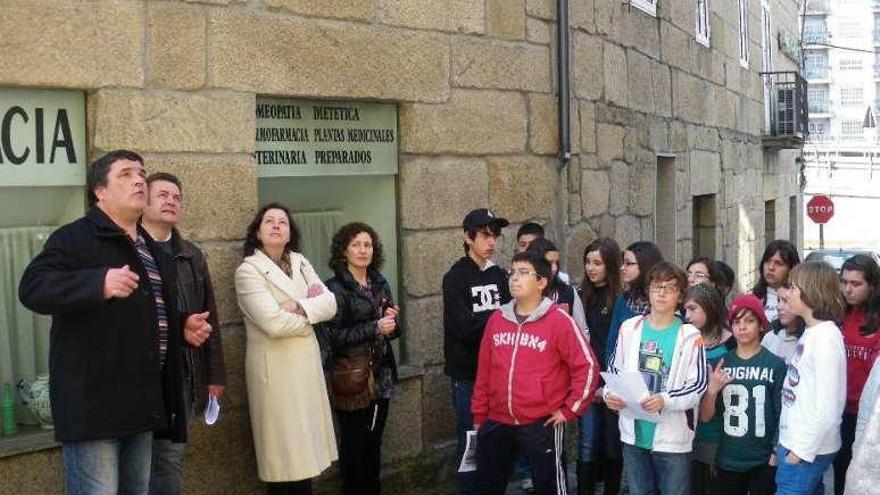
536, 371
669, 355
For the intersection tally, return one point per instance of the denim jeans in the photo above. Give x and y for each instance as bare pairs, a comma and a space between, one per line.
652, 473
462, 390
167, 467
108, 467
167, 457
598, 435
802, 478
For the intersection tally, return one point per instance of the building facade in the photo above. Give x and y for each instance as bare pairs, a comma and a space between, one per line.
675, 137
842, 66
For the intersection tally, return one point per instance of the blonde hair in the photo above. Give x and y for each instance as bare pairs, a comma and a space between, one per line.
819, 287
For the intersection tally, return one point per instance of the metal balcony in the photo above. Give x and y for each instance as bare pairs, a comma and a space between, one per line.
817, 72
820, 106
816, 37
876, 33
788, 110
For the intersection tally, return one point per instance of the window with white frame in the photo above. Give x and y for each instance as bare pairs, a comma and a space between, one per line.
850, 64
649, 6
744, 32
817, 98
851, 96
701, 32
851, 128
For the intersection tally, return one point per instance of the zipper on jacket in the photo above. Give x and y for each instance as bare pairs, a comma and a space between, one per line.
510, 374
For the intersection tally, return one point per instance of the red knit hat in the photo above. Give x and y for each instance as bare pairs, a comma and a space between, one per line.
751, 303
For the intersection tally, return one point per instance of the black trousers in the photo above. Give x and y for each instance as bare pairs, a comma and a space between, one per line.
360, 450
498, 446
757, 481
844, 455
301, 487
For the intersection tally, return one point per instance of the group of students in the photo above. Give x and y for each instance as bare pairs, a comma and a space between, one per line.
757, 393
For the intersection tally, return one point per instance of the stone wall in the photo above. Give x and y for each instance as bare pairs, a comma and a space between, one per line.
475, 83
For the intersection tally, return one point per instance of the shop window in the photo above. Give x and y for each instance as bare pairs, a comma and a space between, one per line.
331, 163
42, 178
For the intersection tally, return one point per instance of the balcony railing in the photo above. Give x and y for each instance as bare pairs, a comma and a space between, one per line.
820, 106
875, 4
816, 37
876, 34
817, 72
787, 105
876, 70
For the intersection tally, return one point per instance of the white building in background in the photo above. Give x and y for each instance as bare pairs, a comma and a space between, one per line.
842, 156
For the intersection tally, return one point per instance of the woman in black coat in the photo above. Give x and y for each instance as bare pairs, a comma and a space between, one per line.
362, 369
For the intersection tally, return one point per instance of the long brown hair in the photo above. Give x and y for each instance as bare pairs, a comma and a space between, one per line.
609, 251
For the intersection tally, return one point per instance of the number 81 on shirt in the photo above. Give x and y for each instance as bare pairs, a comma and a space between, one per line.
736, 409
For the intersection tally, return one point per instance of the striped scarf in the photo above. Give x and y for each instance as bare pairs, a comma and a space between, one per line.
156, 286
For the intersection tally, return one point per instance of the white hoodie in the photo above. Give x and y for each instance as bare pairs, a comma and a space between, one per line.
688, 379
814, 393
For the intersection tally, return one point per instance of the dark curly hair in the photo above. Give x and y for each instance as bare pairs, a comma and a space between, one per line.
252, 243
338, 263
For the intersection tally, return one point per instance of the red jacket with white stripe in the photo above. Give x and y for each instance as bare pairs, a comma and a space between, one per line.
526, 372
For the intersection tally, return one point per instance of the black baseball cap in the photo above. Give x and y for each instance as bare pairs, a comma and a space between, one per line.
482, 217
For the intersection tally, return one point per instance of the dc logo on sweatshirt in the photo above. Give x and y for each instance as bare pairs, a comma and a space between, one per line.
486, 297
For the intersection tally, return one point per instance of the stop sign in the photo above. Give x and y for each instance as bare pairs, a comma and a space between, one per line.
820, 209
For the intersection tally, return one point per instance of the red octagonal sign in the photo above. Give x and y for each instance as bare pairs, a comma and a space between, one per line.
820, 209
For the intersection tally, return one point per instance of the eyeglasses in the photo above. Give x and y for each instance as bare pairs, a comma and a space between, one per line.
698, 275
667, 288
522, 272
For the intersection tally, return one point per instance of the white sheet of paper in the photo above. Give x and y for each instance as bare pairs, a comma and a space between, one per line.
212, 411
469, 459
630, 386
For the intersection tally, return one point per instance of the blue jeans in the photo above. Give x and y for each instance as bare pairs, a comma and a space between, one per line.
167, 457
598, 435
802, 478
108, 467
588, 435
167, 467
462, 390
652, 473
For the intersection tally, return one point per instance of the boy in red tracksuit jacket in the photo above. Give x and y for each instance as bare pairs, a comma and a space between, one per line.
536, 370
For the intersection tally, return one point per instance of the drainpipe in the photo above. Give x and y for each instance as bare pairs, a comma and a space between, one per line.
563, 78
563, 72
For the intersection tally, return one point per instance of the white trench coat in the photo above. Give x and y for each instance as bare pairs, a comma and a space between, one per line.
287, 395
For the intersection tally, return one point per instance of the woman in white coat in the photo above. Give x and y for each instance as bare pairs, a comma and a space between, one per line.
281, 297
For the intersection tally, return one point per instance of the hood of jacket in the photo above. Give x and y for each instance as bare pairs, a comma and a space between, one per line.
507, 310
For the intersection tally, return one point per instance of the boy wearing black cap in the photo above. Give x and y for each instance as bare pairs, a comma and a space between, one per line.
473, 288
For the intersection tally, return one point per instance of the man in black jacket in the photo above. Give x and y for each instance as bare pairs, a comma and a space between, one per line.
115, 354
472, 289
203, 361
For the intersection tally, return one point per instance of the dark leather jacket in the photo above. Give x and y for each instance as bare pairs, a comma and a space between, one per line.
205, 364
353, 330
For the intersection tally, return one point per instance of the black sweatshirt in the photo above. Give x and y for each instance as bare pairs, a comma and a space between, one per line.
469, 298
598, 321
